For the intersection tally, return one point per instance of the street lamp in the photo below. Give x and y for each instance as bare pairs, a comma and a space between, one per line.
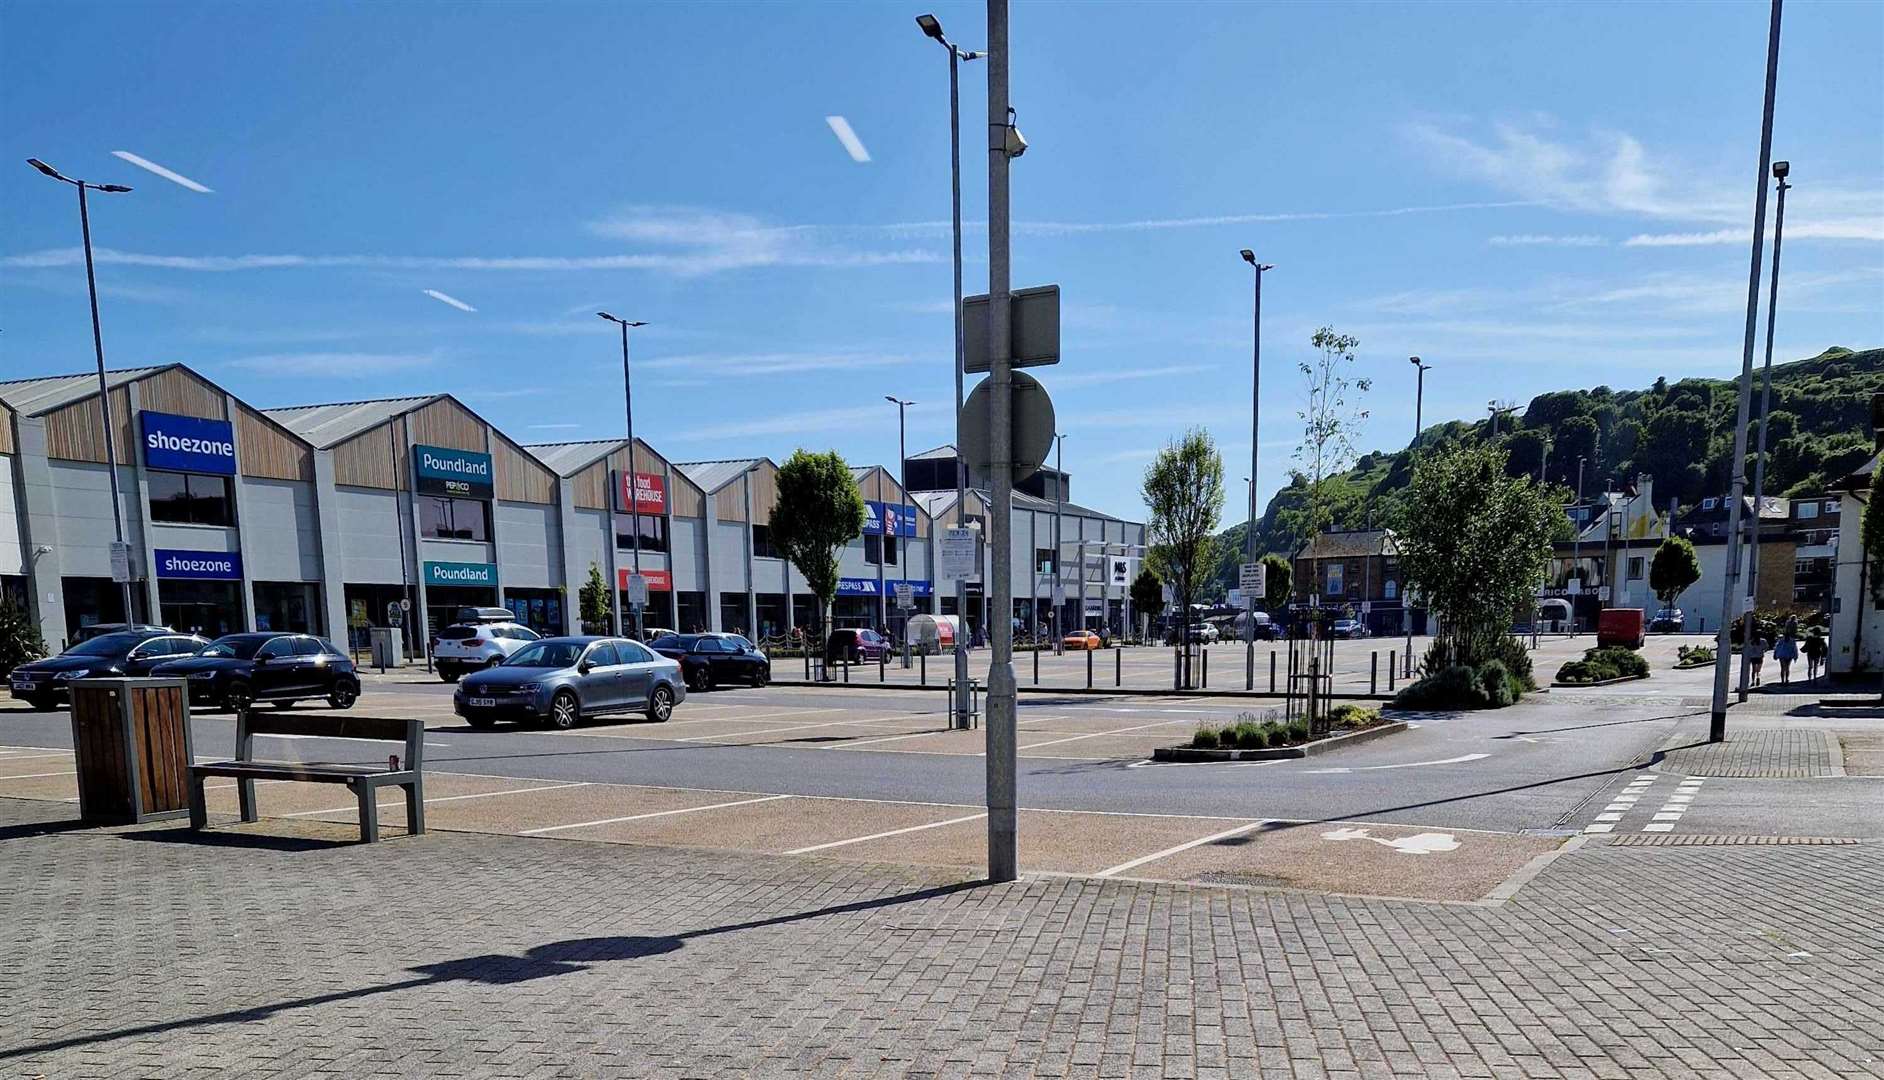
932, 27
1420, 368
1419, 393
98, 349
1576, 548
902, 557
634, 489
1781, 169
1255, 408
1495, 410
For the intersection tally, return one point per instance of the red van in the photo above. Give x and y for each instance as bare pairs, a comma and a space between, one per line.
1624, 627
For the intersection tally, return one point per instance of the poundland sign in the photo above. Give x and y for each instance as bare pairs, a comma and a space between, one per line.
458, 473
188, 443
475, 574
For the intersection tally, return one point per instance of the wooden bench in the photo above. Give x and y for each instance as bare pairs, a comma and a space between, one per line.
363, 780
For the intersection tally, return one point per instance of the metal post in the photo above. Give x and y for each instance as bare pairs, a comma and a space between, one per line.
1249, 663
1373, 671
1255, 411
1717, 725
924, 663
1576, 552
1206, 651
1391, 669
1036, 651
1089, 669
104, 396
1272, 671
1780, 169
1003, 836
1057, 592
1118, 666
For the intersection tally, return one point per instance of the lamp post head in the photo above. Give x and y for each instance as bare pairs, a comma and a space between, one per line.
1248, 256
931, 26
113, 188
45, 168
1780, 169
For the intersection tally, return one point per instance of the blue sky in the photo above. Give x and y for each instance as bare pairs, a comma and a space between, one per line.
1530, 196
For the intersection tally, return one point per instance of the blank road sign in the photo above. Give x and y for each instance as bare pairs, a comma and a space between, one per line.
1033, 328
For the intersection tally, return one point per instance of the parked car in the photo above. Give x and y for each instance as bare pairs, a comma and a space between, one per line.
1083, 639
1347, 628
239, 670
1198, 633
484, 615
1668, 621
44, 683
563, 681
469, 647
855, 646
708, 660
86, 633
651, 634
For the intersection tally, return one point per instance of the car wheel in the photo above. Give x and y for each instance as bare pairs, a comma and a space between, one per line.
238, 697
661, 704
43, 702
493, 662
448, 676
343, 696
698, 679
565, 711
762, 676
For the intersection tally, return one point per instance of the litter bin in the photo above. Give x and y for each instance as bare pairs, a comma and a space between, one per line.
388, 646
131, 741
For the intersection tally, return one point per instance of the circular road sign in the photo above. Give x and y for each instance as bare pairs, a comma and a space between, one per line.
1032, 426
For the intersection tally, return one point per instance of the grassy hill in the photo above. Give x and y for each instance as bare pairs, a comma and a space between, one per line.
1680, 433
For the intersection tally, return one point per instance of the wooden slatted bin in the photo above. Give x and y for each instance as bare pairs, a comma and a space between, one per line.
131, 738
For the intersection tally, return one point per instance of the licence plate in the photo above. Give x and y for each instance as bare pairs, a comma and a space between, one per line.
483, 702
25, 684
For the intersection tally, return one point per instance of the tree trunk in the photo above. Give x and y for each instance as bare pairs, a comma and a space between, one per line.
824, 635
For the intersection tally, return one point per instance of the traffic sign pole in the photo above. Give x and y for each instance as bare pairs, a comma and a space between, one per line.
1003, 835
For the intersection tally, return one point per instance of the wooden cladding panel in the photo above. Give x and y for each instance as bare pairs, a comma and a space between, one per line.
520, 477
371, 459
729, 502
764, 492
448, 424
75, 433
591, 487
268, 451
6, 430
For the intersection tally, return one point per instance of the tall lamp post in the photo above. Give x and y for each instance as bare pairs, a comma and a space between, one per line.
1057, 590
1255, 409
932, 27
1780, 171
1420, 368
1576, 549
634, 489
98, 349
902, 456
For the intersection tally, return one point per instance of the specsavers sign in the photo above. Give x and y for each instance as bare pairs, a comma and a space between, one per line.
461, 474
188, 443
475, 574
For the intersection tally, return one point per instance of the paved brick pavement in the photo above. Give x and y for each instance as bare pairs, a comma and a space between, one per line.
145, 953
1768, 753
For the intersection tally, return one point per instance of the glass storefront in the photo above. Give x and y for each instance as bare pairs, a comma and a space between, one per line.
366, 607
443, 601
733, 613
288, 605
209, 608
692, 614
539, 609
100, 600
771, 614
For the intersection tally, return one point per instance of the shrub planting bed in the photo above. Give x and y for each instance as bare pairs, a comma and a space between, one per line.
1252, 737
1605, 665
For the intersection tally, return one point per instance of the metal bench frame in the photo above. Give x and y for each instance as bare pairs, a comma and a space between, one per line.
363, 780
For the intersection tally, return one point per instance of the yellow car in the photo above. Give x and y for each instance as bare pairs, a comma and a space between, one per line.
1082, 639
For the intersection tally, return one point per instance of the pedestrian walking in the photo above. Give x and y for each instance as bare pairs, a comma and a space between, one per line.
1754, 651
1815, 654
1786, 650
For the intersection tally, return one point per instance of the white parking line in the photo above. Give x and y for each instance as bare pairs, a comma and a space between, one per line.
881, 835
399, 800
37, 775
657, 813
1199, 842
789, 727
885, 738
1097, 734
8, 759
754, 716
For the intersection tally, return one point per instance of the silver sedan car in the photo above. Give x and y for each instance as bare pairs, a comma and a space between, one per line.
566, 680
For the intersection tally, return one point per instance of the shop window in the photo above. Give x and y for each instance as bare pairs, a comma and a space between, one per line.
1336, 577
762, 543
1635, 567
441, 518
653, 529
880, 550
1043, 561
190, 499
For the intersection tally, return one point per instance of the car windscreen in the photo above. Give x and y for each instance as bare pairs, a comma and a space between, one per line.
457, 633
238, 648
546, 654
107, 645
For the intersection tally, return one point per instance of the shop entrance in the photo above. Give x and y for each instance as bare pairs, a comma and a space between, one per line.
443, 601
539, 609
209, 608
287, 605
89, 601
366, 608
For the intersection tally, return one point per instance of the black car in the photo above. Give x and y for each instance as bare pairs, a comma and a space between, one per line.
43, 683
237, 670
710, 659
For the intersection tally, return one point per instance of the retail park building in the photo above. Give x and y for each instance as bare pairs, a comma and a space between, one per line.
322, 518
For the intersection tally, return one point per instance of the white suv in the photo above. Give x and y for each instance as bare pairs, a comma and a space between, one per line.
469, 647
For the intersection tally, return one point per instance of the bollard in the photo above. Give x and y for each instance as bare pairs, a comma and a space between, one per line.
1036, 666
1373, 671
1118, 667
925, 670
1392, 667
846, 670
883, 665
1177, 669
1089, 669
1206, 652
1249, 667
1272, 672
807, 663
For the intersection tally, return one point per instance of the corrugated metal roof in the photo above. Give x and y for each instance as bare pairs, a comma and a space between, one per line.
31, 397
714, 475
941, 453
334, 423
570, 458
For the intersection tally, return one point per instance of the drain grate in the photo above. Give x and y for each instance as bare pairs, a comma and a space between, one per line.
1703, 840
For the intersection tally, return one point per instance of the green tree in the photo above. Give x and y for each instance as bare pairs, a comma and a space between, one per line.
19, 637
1278, 579
819, 510
1577, 438
1331, 420
1473, 542
1672, 450
1183, 488
1147, 594
595, 602
1674, 568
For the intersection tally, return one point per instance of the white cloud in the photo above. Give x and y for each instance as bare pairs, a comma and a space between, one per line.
446, 298
853, 146
774, 363
550, 427
1057, 381
1539, 240
335, 365
151, 166
795, 423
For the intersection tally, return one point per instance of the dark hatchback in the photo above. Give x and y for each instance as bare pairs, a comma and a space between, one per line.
237, 670
44, 683
708, 660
